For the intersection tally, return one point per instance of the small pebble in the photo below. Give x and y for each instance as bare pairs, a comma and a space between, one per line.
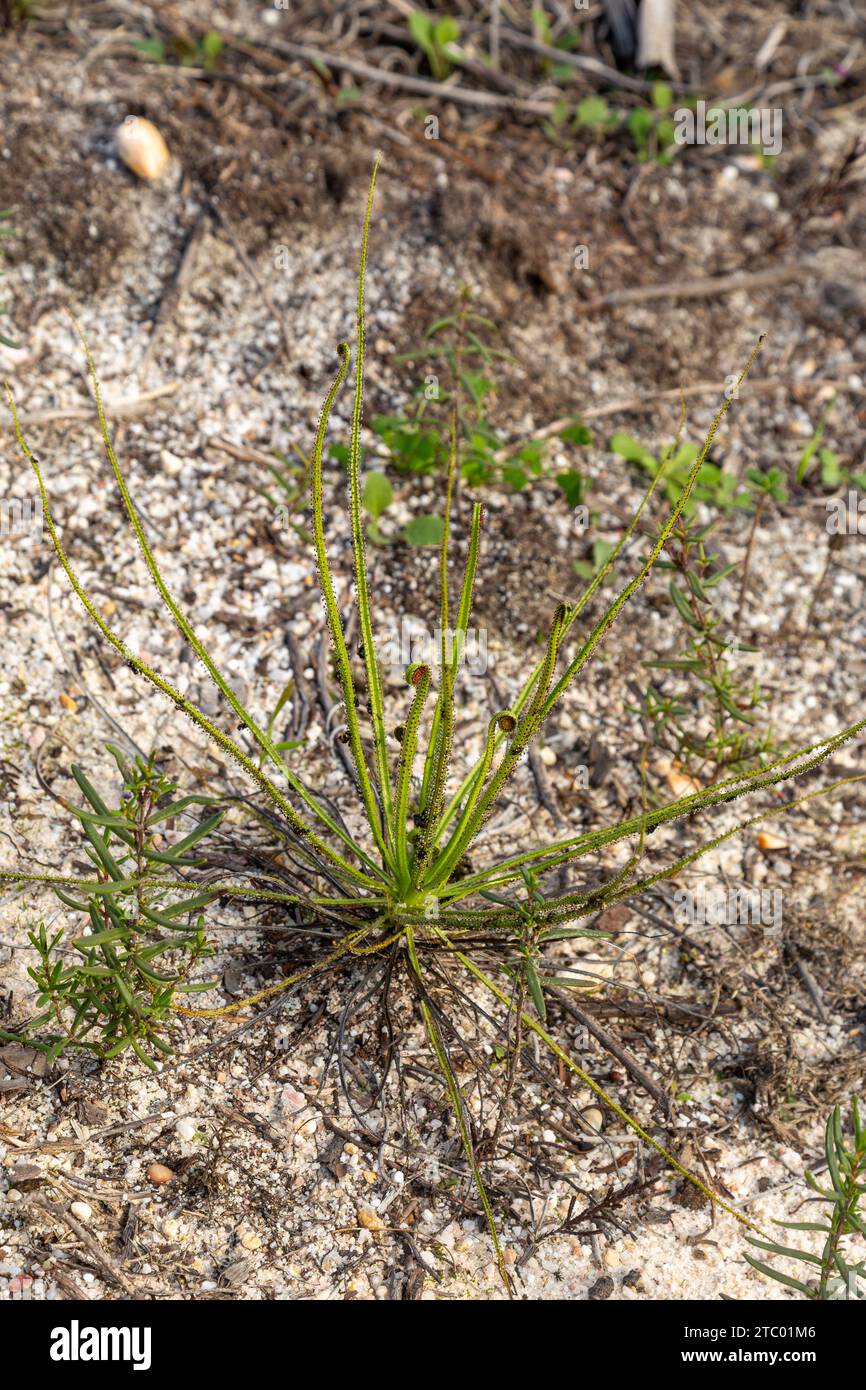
681, 784
370, 1220
767, 840
602, 1288
26, 1172
594, 1117
82, 1211
292, 1100
171, 464
158, 1173
142, 147
185, 1129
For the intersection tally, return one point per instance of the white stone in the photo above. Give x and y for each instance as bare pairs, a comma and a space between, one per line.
172, 465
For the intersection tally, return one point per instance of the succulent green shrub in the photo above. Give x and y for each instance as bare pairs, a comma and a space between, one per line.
404, 887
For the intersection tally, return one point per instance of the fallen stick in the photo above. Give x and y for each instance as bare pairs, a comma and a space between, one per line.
616, 1049
629, 403
129, 406
704, 288
703, 388
246, 454
442, 91
109, 1269
813, 989
582, 63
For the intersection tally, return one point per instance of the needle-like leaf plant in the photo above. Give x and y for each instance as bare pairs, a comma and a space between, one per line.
835, 1274
111, 988
405, 886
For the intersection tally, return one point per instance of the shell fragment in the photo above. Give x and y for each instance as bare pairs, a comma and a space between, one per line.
142, 148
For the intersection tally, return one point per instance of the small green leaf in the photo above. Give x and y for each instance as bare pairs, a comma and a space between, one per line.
100, 938
803, 1226
378, 494
575, 434
780, 1278
832, 473
211, 48
629, 449
662, 96
446, 31
103, 853
205, 828
785, 1251
424, 530
592, 111
421, 28
150, 48
681, 604
175, 807
90, 792
571, 483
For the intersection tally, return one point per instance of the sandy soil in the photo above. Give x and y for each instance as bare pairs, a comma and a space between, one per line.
201, 338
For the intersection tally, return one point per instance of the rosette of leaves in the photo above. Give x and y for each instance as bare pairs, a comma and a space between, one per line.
401, 891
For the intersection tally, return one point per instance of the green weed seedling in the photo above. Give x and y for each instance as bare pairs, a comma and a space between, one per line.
436, 37
713, 656
378, 496
463, 343
652, 128
712, 484
179, 48
831, 471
